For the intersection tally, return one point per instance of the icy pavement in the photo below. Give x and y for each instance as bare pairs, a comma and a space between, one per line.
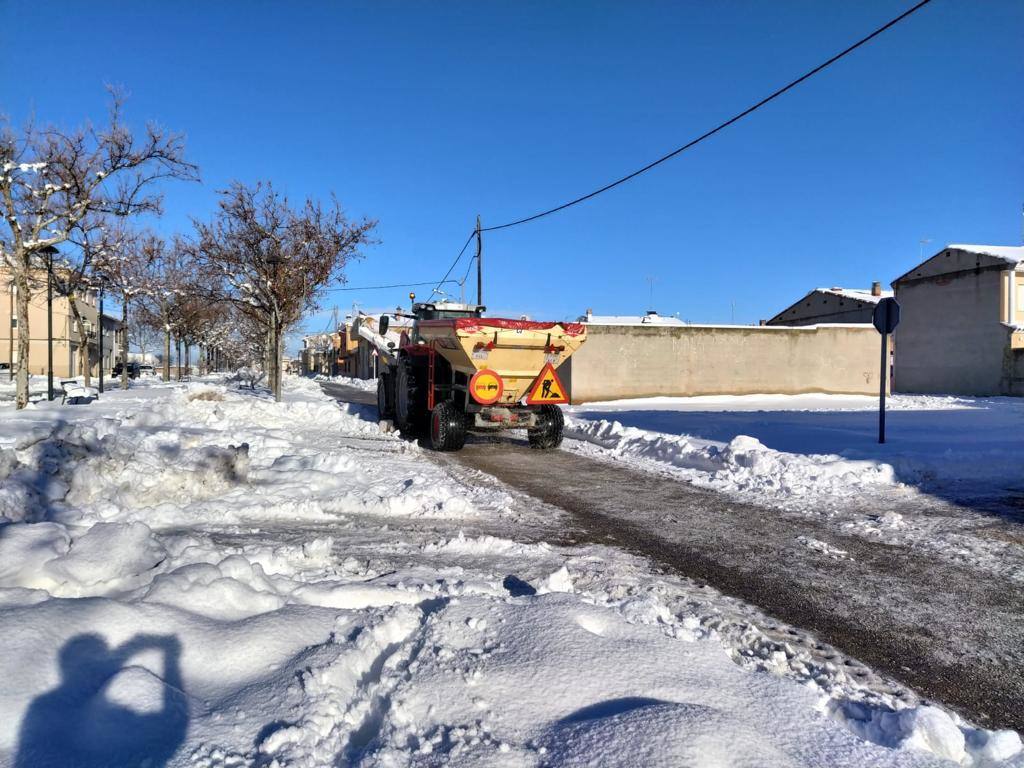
201, 577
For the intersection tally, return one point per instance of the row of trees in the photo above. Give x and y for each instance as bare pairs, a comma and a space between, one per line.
235, 283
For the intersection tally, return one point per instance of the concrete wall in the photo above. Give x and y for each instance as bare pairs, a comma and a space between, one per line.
951, 338
637, 361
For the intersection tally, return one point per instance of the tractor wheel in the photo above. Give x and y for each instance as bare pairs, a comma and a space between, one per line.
408, 413
447, 427
385, 397
548, 432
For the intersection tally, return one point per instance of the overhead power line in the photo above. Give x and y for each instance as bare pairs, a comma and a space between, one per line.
396, 285
721, 126
465, 245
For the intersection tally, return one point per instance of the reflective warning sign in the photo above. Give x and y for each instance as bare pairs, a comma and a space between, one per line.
486, 386
547, 389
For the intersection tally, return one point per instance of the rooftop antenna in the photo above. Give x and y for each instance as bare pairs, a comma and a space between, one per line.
651, 280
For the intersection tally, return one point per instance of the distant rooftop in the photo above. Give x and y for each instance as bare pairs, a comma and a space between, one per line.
1012, 254
650, 318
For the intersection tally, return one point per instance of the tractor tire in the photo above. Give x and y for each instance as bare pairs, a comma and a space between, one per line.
447, 427
408, 412
385, 397
548, 432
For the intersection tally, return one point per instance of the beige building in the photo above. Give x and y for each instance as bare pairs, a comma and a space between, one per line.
833, 305
66, 362
652, 355
962, 325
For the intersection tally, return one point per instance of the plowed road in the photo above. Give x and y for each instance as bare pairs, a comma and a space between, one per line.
948, 632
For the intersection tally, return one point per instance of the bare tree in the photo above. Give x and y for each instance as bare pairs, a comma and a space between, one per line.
123, 268
52, 180
166, 280
143, 333
271, 260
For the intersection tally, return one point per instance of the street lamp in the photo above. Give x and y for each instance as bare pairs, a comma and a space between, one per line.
99, 322
49, 251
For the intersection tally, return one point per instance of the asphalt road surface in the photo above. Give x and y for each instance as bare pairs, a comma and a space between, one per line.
949, 632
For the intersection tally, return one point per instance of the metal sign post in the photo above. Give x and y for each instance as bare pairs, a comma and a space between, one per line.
885, 319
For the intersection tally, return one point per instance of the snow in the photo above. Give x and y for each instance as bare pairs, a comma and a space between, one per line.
860, 294
366, 385
1012, 254
651, 318
194, 575
815, 444
36, 387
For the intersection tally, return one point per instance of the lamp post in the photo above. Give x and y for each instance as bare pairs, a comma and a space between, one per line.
10, 333
99, 322
49, 251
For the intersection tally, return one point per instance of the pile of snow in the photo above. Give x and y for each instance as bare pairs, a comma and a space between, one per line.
366, 385
196, 576
743, 465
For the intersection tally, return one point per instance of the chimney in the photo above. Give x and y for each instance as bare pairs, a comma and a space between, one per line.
876, 288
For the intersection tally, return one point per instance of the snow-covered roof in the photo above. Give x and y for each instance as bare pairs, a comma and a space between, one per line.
651, 318
1012, 254
860, 294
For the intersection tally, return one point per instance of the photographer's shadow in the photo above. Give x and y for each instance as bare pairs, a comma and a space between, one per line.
108, 710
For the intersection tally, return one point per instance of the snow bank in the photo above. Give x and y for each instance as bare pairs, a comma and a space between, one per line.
743, 465
366, 385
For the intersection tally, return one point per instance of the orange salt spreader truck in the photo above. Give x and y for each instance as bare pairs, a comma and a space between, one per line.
455, 370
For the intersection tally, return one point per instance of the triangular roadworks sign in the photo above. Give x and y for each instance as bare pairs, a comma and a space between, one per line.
547, 389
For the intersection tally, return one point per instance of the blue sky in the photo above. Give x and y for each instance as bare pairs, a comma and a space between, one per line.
423, 115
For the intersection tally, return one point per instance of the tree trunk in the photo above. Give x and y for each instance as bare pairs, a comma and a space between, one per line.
188, 358
21, 387
124, 342
268, 357
177, 355
167, 353
83, 340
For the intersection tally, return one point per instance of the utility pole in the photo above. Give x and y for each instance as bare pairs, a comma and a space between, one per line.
99, 322
479, 264
10, 333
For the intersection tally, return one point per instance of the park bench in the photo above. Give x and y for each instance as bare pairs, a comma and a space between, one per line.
74, 393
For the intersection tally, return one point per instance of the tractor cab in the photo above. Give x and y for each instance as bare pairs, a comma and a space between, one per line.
442, 310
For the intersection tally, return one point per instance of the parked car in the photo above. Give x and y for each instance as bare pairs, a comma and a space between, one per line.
146, 370
5, 367
133, 370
